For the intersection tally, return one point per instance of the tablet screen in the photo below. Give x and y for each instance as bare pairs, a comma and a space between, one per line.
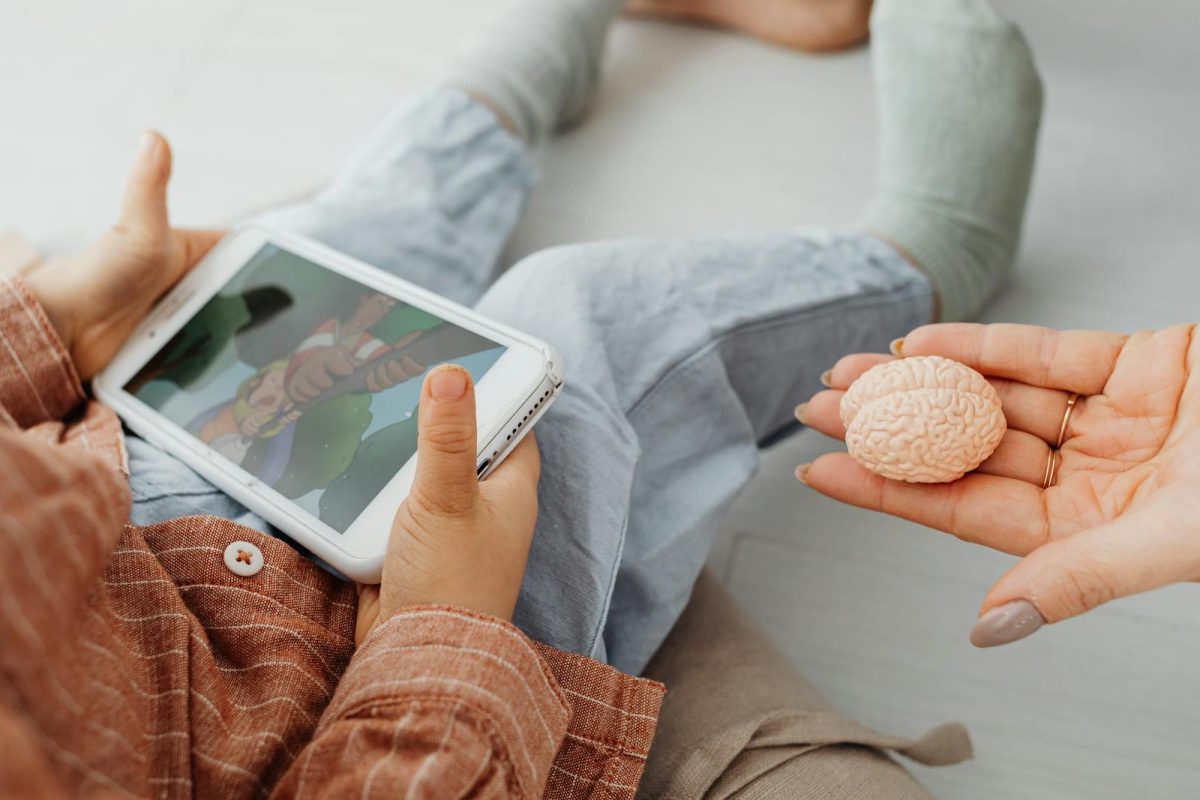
306, 379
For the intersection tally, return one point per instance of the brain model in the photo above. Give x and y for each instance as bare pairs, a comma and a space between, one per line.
925, 419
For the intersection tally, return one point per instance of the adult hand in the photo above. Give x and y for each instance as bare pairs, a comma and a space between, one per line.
456, 541
95, 299
1124, 513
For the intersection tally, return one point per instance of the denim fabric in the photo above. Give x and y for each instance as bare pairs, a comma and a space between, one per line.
682, 357
432, 195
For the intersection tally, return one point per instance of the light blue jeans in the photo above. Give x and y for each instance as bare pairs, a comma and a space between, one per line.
683, 358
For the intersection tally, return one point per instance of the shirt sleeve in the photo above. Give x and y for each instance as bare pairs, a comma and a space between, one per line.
444, 702
613, 720
38, 382
60, 517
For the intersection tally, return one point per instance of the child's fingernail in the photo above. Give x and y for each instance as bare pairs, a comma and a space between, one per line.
802, 473
1007, 623
800, 409
147, 145
826, 378
448, 383
897, 347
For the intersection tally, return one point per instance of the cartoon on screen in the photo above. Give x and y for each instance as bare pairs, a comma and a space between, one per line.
307, 380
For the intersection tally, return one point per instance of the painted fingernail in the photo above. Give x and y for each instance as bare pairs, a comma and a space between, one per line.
897, 347
448, 383
802, 473
826, 378
1006, 623
800, 410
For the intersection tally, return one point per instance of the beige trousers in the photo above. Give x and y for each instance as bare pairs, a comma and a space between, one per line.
739, 720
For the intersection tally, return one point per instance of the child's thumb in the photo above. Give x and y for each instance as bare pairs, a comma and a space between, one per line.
446, 443
145, 204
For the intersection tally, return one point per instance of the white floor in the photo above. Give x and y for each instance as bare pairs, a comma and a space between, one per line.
697, 131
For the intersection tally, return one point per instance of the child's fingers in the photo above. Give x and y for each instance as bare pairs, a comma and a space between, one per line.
523, 467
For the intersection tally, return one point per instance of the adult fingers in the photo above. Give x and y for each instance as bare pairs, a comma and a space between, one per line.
1019, 455
1001, 513
823, 413
1068, 576
145, 205
446, 482
1073, 361
848, 368
1033, 409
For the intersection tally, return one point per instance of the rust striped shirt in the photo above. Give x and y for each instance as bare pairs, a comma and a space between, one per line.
134, 663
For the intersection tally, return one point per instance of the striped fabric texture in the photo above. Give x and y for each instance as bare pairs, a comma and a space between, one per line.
135, 663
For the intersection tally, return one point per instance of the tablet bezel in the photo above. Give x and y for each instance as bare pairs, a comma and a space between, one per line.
358, 552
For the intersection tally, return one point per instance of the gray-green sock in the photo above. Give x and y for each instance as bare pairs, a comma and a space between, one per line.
539, 62
959, 103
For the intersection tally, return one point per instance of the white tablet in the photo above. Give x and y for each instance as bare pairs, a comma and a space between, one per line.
289, 375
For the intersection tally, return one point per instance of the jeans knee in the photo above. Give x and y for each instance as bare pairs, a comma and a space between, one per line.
573, 270
556, 289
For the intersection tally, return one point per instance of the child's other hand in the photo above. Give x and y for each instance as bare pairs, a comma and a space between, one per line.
95, 299
456, 541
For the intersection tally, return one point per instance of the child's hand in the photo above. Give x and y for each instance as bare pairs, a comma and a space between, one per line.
95, 299
1123, 512
456, 541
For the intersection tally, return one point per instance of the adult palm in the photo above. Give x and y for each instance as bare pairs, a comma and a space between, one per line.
1123, 515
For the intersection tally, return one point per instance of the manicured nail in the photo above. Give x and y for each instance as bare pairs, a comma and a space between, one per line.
1006, 623
448, 383
800, 409
827, 378
802, 473
897, 347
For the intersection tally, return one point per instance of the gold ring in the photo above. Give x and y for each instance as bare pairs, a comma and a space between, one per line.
1051, 469
1062, 429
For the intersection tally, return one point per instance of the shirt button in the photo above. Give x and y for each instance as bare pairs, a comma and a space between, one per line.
243, 559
